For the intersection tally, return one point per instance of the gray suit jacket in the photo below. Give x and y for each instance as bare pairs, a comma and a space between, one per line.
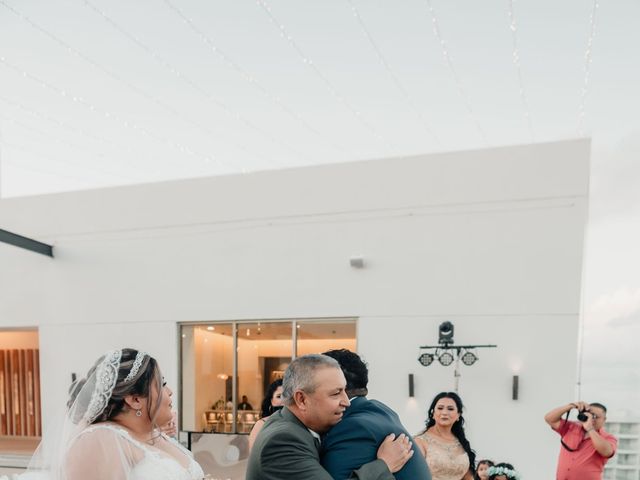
286, 450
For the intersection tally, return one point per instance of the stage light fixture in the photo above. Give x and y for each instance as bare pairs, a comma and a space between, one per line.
445, 359
426, 359
445, 333
469, 358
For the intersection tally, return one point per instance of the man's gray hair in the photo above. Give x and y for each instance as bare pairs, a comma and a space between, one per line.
300, 375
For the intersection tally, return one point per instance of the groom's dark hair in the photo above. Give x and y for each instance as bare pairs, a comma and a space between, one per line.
354, 369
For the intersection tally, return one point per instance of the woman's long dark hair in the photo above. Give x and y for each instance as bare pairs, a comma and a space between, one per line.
266, 407
458, 427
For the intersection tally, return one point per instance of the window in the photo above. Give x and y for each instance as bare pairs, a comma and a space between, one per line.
226, 367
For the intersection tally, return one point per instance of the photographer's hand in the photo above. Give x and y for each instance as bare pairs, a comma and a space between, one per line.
554, 417
581, 405
588, 424
602, 446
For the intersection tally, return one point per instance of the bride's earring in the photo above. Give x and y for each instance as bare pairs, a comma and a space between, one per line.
138, 413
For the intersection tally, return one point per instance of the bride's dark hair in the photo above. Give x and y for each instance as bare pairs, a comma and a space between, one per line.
139, 385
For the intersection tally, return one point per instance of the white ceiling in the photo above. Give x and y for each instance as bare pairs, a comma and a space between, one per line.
111, 92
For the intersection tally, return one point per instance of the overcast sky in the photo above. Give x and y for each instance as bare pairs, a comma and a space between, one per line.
611, 364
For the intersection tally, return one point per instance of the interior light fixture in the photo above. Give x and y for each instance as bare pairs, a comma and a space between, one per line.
210, 328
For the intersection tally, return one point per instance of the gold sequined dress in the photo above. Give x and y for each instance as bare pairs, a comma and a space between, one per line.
446, 460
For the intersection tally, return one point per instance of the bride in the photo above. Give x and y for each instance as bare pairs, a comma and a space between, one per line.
110, 430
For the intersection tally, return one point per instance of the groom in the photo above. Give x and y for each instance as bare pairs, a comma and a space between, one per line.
315, 400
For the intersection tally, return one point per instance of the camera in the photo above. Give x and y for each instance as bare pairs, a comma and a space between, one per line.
582, 416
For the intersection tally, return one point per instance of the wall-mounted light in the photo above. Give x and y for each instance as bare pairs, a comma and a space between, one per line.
411, 389
356, 262
515, 386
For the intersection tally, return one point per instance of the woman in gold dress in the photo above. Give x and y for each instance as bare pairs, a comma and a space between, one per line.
444, 442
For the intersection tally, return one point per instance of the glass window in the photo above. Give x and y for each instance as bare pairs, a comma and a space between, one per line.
320, 336
227, 367
207, 377
264, 353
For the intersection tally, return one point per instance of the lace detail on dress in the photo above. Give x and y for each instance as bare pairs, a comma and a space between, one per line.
106, 378
155, 464
447, 461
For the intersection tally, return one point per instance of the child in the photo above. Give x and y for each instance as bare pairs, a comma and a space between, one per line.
503, 471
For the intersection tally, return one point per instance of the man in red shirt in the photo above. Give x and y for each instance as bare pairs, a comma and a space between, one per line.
586, 446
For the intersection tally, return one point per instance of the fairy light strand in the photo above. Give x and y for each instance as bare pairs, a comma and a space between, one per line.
405, 93
461, 90
66, 126
582, 114
236, 116
32, 153
306, 60
516, 61
74, 146
114, 76
127, 124
250, 79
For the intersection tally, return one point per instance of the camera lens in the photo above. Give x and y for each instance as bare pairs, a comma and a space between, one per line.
582, 417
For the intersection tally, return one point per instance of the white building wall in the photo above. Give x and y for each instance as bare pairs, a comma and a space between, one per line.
491, 240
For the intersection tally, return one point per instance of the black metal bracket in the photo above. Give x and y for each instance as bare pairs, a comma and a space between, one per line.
451, 346
26, 243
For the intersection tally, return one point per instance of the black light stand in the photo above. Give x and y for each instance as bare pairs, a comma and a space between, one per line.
445, 350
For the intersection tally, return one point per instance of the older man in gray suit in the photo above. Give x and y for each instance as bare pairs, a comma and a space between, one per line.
288, 446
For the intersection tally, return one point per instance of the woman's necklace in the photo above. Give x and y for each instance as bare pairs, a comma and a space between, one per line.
449, 438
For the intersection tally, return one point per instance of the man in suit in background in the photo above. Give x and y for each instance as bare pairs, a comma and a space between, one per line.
315, 400
365, 423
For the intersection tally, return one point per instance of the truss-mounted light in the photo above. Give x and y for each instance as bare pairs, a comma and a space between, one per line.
426, 359
445, 359
469, 358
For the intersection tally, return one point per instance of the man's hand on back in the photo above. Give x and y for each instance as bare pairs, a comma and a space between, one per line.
395, 452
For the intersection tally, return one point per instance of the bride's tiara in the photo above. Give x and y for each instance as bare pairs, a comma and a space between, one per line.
137, 363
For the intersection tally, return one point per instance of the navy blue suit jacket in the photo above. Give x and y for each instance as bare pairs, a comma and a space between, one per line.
355, 440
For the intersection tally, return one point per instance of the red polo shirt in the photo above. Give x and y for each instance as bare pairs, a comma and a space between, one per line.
585, 463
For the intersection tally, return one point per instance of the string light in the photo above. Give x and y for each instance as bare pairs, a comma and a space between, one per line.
32, 153
310, 64
107, 114
57, 140
250, 79
516, 61
456, 78
412, 104
76, 131
587, 70
180, 75
139, 91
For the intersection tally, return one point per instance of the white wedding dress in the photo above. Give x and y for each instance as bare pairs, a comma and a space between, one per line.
156, 464
145, 461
